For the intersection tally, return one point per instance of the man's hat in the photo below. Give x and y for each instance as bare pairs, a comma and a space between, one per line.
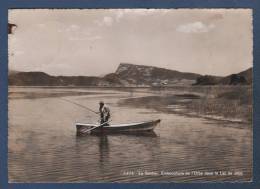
101, 102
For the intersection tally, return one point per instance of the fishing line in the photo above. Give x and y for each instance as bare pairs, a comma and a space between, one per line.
79, 105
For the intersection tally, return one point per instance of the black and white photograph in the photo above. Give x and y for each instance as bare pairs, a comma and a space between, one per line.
130, 95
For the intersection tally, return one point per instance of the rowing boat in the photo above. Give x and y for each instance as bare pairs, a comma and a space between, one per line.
83, 128
139, 127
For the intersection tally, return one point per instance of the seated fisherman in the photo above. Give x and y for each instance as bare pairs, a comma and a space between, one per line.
104, 113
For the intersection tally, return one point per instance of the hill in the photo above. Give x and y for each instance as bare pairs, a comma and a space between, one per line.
126, 75
43, 79
150, 75
241, 78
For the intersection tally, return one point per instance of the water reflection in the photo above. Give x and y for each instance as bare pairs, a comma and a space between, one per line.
103, 148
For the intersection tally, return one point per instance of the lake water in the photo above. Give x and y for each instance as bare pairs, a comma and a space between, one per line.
43, 146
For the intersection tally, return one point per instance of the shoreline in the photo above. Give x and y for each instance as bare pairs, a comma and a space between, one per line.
233, 105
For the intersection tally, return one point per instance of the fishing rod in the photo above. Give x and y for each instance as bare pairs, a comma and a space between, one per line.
80, 105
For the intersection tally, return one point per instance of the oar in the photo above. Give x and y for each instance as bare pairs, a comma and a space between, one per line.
79, 105
97, 126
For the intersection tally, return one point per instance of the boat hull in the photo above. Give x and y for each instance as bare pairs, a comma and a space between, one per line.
141, 127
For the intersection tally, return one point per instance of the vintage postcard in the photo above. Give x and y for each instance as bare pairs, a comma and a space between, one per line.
130, 95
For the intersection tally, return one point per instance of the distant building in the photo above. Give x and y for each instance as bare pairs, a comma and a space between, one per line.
164, 82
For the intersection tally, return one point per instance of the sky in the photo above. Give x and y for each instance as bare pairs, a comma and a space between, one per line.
94, 42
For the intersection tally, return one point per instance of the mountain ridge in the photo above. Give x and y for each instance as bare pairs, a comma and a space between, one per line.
127, 75
241, 78
141, 74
